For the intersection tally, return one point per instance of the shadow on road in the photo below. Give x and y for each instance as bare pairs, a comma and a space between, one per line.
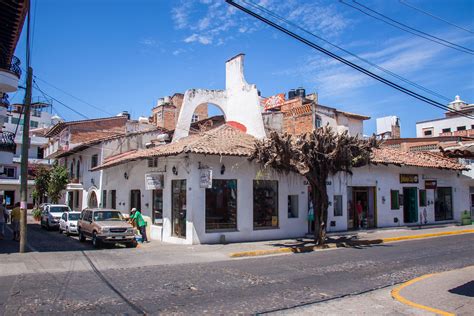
467, 289
302, 245
42, 240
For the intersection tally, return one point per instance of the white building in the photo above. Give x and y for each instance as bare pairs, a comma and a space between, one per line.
203, 189
451, 124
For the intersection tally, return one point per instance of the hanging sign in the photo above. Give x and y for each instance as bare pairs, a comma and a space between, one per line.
408, 178
154, 181
205, 179
431, 184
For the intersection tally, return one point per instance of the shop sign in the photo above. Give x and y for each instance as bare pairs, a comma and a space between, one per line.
431, 184
408, 178
154, 181
205, 179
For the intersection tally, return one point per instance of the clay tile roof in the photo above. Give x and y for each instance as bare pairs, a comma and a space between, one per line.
224, 140
387, 155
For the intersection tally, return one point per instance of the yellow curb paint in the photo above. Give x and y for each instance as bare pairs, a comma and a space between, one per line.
458, 232
396, 295
254, 253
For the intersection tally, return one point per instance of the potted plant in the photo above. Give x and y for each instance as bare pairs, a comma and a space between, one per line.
36, 214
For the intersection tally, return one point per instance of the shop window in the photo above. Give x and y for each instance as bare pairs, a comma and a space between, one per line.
293, 206
461, 128
15, 120
337, 205
113, 199
422, 197
221, 205
94, 161
394, 199
104, 198
33, 124
265, 204
157, 207
153, 162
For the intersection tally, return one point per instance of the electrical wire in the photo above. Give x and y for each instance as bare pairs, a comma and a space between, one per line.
347, 62
73, 96
255, 5
434, 16
63, 104
408, 29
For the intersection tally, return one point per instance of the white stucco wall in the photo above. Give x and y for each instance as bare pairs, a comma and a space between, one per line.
382, 178
239, 102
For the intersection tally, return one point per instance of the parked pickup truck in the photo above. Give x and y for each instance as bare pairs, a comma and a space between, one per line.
105, 226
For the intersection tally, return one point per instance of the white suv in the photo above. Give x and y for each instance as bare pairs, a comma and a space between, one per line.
52, 214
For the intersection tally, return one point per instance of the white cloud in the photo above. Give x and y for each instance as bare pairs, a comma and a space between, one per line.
148, 42
215, 22
178, 51
205, 40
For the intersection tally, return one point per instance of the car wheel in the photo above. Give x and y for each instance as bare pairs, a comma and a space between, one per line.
95, 240
82, 238
59, 230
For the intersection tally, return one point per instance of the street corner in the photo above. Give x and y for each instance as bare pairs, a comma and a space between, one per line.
445, 293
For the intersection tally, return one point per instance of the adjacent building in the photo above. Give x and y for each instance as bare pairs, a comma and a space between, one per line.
453, 124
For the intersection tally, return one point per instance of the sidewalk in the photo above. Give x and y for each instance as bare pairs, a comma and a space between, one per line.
158, 253
447, 293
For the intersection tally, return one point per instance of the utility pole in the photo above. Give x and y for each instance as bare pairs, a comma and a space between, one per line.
25, 145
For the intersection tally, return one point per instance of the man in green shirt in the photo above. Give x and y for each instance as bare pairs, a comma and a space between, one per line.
137, 217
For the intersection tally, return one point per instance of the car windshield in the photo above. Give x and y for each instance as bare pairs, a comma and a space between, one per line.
74, 216
107, 216
59, 209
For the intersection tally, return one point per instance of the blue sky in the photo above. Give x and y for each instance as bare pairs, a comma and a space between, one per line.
124, 55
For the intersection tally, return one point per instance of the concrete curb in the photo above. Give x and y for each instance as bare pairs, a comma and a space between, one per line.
396, 295
296, 249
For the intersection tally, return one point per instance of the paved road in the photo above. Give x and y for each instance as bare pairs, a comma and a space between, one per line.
236, 286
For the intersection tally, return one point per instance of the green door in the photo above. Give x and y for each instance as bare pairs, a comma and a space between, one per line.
410, 205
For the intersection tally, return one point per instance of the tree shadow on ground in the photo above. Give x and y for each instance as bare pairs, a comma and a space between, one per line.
301, 245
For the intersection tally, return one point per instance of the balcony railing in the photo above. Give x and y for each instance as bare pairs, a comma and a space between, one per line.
13, 66
7, 141
4, 100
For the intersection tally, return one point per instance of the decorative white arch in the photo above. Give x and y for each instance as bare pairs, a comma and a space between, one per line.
92, 197
239, 102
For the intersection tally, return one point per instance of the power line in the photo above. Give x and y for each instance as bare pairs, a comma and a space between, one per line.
409, 29
434, 16
345, 61
348, 52
63, 104
73, 96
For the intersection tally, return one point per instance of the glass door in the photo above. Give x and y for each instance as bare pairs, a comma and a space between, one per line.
178, 205
410, 205
443, 204
158, 207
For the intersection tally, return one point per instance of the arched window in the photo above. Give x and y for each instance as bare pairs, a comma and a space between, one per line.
71, 170
78, 169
